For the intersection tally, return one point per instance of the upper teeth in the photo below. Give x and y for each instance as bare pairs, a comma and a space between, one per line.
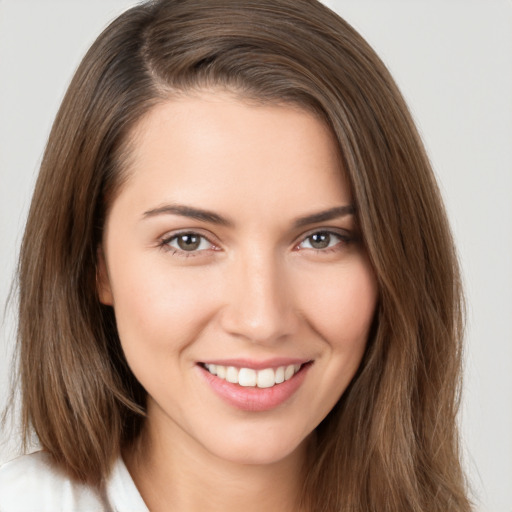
248, 377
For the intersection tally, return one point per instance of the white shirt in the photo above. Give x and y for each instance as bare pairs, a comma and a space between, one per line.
32, 483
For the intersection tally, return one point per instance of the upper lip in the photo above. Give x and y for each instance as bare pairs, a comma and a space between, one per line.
257, 365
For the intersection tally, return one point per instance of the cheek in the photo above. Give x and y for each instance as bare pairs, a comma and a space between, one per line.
340, 309
341, 302
157, 306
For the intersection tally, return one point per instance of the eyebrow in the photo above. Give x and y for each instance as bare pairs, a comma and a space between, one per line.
332, 213
215, 218
191, 213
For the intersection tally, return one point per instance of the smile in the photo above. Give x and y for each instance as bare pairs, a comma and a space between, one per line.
248, 377
255, 386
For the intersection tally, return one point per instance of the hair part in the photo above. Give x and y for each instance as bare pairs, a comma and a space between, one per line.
399, 412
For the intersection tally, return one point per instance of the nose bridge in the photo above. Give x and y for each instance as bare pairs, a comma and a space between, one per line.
260, 307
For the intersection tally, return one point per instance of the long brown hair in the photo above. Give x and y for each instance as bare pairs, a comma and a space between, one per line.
390, 444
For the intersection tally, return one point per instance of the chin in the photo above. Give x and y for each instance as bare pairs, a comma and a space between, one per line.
259, 450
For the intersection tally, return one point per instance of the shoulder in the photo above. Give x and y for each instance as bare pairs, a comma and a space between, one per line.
32, 483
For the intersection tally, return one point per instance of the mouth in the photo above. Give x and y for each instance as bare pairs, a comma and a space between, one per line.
253, 378
255, 386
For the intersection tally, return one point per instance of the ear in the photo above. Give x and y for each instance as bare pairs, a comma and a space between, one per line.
103, 287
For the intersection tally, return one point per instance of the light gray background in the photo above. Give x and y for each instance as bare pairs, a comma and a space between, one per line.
453, 62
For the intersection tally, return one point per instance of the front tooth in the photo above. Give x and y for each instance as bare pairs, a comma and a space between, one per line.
221, 371
232, 375
266, 378
247, 377
212, 368
280, 375
289, 372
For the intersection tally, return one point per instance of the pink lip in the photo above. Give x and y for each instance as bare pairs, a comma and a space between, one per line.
252, 398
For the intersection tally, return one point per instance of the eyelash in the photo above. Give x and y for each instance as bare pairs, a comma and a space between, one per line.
344, 239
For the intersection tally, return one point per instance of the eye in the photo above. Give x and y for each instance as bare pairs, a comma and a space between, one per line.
189, 242
322, 240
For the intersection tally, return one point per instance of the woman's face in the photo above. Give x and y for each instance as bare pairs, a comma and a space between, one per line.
232, 258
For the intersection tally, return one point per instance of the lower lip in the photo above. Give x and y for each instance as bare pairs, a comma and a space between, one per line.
253, 398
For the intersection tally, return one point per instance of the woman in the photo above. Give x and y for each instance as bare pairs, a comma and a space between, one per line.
237, 277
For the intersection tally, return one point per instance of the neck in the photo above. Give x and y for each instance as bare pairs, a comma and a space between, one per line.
173, 472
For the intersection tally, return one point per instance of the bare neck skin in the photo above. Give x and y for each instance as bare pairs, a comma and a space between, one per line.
175, 473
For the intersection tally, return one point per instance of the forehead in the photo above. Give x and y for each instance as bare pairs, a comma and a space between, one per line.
218, 148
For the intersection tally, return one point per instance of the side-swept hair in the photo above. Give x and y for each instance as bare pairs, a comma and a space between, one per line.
390, 444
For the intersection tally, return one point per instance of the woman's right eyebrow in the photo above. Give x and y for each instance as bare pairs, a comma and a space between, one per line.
189, 212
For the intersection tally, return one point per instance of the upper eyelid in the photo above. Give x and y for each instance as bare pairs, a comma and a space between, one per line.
174, 234
333, 230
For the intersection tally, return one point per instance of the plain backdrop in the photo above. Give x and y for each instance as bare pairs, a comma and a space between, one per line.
453, 61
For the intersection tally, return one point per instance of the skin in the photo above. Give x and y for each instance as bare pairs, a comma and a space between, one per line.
256, 288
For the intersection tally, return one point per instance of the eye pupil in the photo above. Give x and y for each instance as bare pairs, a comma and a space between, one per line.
189, 242
320, 240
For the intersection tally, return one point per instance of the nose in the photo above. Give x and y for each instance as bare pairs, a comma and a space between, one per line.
260, 305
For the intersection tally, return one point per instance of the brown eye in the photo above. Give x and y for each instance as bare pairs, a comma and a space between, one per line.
188, 241
320, 240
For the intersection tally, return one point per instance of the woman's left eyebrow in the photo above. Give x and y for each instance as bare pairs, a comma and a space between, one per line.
323, 216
